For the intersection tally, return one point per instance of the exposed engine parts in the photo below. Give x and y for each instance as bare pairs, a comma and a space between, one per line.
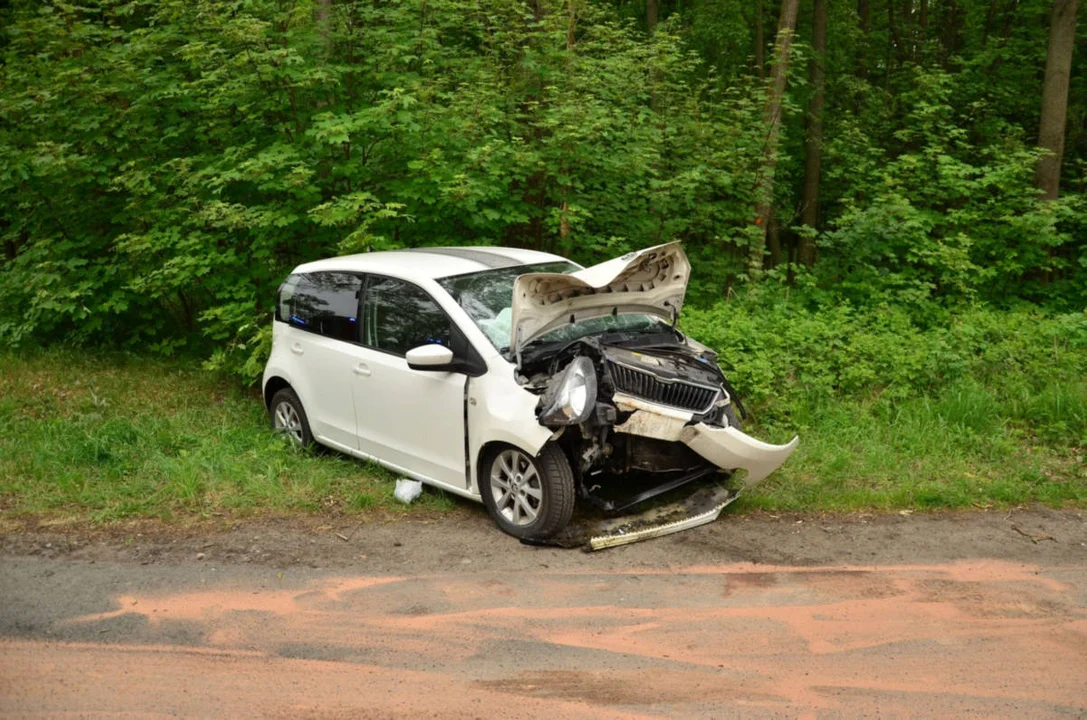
623, 406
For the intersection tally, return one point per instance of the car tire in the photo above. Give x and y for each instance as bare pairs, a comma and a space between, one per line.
289, 417
527, 497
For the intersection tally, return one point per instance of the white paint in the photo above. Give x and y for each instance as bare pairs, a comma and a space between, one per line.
651, 281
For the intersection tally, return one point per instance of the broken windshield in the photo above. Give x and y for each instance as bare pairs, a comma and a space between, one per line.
487, 295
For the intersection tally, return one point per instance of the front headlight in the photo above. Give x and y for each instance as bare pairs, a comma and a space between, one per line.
570, 394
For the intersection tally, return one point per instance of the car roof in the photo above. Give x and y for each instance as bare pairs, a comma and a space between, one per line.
432, 262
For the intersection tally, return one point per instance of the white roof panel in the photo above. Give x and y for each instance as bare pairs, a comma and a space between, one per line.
430, 263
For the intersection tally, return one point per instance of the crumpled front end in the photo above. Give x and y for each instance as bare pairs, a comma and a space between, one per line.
640, 417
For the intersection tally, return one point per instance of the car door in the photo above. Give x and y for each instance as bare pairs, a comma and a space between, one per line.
322, 312
408, 418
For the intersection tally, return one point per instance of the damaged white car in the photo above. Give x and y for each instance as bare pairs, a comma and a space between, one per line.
513, 377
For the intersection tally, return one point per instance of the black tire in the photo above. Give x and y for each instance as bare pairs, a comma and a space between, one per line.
551, 478
286, 400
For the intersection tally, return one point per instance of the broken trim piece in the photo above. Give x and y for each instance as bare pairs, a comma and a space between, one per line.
649, 419
603, 542
726, 447
731, 449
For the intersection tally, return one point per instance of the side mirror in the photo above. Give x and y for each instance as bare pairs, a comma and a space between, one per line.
430, 357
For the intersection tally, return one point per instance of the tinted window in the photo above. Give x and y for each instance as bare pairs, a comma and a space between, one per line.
324, 303
401, 316
286, 298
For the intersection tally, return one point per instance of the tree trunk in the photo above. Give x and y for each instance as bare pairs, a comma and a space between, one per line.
571, 25
953, 24
809, 214
923, 25
571, 35
324, 20
651, 10
1058, 67
895, 39
764, 189
862, 46
760, 42
988, 23
862, 15
773, 239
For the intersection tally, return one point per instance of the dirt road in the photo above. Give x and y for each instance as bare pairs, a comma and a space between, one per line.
751, 617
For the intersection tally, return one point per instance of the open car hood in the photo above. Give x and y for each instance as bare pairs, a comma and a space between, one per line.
651, 281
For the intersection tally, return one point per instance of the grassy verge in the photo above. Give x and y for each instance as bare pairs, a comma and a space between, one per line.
969, 407
962, 448
110, 437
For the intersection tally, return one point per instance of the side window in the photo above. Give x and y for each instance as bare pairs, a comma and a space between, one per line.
401, 316
286, 299
324, 303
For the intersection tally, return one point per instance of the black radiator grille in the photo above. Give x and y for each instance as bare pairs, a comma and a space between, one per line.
647, 386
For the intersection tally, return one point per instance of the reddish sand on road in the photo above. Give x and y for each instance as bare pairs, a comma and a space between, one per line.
974, 637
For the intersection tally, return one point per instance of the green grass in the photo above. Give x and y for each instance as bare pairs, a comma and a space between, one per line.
965, 447
110, 437
105, 437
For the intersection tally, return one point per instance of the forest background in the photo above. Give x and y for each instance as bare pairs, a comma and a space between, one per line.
884, 201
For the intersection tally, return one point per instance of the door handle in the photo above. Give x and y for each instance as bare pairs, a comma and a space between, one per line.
362, 370
297, 349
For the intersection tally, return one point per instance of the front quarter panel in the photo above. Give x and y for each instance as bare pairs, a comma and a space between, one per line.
500, 410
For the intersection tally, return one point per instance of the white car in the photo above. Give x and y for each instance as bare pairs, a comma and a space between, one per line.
511, 377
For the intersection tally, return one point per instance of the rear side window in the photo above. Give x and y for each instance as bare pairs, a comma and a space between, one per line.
323, 303
401, 316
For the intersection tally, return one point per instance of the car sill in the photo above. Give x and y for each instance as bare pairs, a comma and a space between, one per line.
463, 492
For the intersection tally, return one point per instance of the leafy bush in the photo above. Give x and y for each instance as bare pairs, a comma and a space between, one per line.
164, 163
977, 365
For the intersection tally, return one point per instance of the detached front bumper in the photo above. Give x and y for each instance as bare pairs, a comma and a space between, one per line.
727, 448
732, 449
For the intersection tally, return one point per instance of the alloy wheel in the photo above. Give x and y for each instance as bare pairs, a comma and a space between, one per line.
516, 487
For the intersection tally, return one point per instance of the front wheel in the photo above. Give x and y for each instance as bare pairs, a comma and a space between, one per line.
528, 497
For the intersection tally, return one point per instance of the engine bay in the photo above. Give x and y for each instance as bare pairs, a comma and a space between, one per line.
624, 443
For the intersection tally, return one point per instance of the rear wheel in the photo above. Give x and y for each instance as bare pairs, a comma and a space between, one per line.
528, 497
289, 418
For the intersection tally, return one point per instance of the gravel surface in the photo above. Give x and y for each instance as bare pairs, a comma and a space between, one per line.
753, 616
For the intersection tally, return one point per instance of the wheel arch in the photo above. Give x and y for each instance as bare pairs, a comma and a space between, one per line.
272, 386
490, 445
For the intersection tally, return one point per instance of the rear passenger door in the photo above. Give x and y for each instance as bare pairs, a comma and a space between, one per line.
321, 310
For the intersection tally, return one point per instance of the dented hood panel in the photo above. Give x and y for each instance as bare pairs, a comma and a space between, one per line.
651, 281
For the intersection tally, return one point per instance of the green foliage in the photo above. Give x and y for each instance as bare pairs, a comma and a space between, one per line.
165, 163
947, 217
119, 436
977, 406
786, 357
